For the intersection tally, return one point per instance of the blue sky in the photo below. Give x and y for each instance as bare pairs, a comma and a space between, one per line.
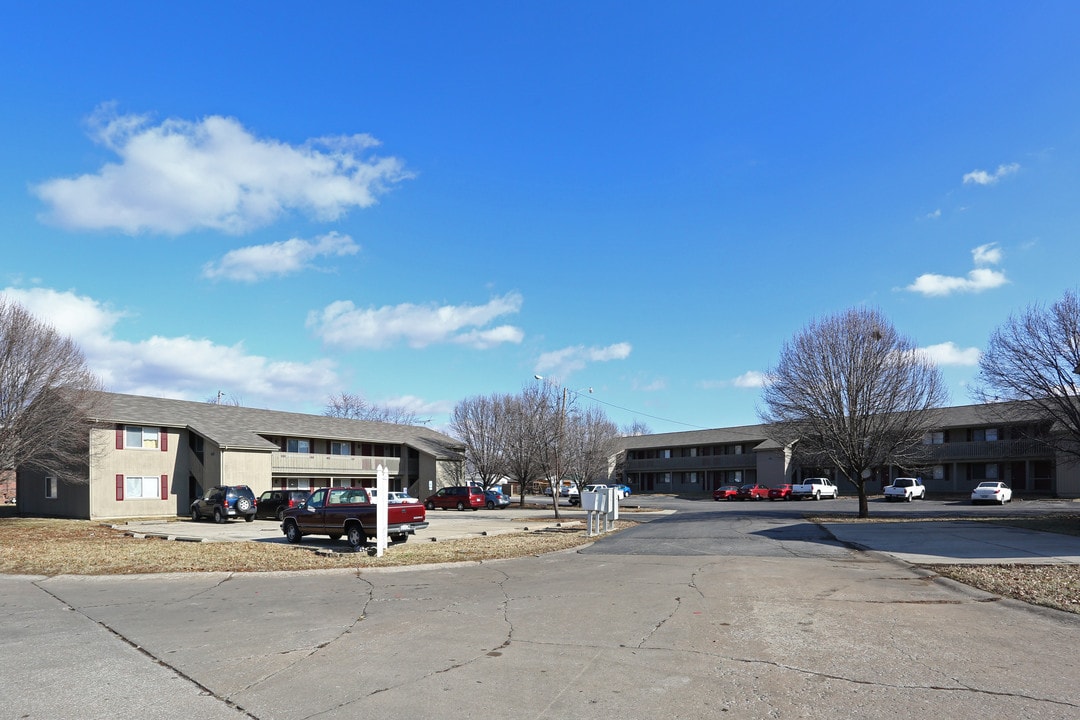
420, 202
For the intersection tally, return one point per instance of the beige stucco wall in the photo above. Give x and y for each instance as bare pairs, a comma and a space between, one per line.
244, 467
1068, 477
106, 462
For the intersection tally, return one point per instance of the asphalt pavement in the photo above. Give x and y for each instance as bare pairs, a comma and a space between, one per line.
704, 613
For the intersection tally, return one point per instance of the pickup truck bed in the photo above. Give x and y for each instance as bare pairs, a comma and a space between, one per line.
349, 512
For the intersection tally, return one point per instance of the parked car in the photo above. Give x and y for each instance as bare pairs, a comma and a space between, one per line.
222, 502
459, 496
906, 489
625, 490
727, 492
495, 499
780, 492
815, 488
752, 491
991, 491
351, 512
400, 498
272, 504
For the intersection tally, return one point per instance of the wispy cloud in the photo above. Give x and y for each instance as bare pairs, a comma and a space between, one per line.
571, 359
949, 353
179, 367
977, 280
344, 325
750, 379
255, 262
982, 177
182, 175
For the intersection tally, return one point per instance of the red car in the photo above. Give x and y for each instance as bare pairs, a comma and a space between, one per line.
780, 492
753, 492
728, 492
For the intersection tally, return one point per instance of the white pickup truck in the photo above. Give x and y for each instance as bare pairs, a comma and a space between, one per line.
815, 488
905, 489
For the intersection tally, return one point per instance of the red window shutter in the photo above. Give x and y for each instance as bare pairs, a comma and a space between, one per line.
119, 487
164, 442
119, 437
164, 487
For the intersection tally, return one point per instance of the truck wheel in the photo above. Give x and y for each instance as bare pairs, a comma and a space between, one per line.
280, 514
817, 495
355, 536
292, 532
909, 498
195, 516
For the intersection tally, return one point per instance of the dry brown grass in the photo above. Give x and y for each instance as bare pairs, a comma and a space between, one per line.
84, 547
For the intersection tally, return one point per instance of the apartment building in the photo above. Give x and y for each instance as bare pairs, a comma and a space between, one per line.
151, 457
969, 446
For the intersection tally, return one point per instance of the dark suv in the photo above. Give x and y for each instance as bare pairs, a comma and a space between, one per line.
273, 503
222, 502
460, 497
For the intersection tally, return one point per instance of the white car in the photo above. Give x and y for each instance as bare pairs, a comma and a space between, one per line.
400, 498
991, 491
906, 489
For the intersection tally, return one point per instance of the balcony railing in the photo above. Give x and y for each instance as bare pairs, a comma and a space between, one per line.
701, 462
304, 464
992, 450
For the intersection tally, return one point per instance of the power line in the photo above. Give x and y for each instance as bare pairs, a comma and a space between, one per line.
635, 412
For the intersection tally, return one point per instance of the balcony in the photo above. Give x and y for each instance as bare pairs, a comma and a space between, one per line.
992, 450
283, 463
699, 463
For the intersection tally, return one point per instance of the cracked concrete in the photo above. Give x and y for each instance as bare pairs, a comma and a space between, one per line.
675, 619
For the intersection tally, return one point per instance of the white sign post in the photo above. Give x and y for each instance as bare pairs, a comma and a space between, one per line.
382, 495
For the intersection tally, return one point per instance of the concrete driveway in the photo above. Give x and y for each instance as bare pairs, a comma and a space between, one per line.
700, 614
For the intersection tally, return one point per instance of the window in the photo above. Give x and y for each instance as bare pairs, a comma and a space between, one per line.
296, 445
665, 454
136, 487
738, 449
939, 472
340, 448
141, 437
50, 488
991, 471
991, 434
937, 438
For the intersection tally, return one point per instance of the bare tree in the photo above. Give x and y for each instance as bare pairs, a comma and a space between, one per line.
850, 392
589, 441
356, 407
529, 421
47, 397
479, 424
1034, 358
635, 428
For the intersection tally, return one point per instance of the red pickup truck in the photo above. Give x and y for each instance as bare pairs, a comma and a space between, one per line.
339, 511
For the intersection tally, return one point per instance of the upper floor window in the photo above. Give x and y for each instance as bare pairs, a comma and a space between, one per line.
991, 434
340, 448
298, 445
142, 437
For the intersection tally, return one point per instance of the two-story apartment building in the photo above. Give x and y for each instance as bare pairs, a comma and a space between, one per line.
153, 456
969, 446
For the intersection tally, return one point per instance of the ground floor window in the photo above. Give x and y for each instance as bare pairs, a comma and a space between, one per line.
50, 488
136, 486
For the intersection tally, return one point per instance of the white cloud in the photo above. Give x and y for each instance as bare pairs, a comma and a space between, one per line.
178, 367
183, 175
252, 263
948, 353
933, 215
749, 379
571, 359
977, 280
982, 177
343, 324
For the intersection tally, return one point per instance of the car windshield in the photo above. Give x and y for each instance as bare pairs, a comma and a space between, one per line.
988, 485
